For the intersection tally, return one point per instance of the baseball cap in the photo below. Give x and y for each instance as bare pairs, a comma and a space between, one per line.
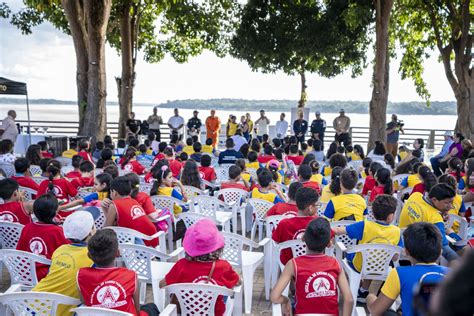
318, 113
78, 225
448, 133
342, 111
202, 238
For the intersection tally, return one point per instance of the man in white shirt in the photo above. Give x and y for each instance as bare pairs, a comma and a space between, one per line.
154, 122
176, 124
8, 129
238, 139
261, 125
281, 127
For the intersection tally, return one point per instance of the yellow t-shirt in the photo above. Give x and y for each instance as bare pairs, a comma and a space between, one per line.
416, 209
326, 195
250, 123
353, 156
327, 171
457, 203
169, 191
345, 205
317, 178
69, 153
208, 149
65, 263
413, 180
246, 176
402, 154
232, 128
267, 196
189, 150
252, 165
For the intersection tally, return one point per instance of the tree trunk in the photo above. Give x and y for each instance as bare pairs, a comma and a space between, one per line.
126, 81
378, 103
97, 14
303, 96
471, 103
74, 11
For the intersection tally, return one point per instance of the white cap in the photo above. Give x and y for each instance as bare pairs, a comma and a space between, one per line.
78, 225
448, 133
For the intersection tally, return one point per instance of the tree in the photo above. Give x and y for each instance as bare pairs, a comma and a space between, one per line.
304, 36
422, 26
378, 103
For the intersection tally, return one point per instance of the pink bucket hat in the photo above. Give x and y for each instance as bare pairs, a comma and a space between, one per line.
274, 163
202, 238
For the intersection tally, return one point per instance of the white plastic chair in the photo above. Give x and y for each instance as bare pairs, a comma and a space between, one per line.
355, 164
200, 299
252, 172
260, 208
66, 169
35, 170
376, 260
209, 184
98, 311
191, 218
222, 172
21, 266
238, 197
215, 208
35, 303
9, 234
342, 241
248, 261
64, 161
128, 235
192, 191
38, 180
100, 221
28, 193
139, 258
271, 224
8, 169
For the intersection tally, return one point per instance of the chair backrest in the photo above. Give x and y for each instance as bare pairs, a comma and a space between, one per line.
162, 202
66, 169
97, 311
348, 242
100, 221
260, 207
21, 266
35, 170
232, 195
272, 222
28, 193
36, 303
376, 259
252, 172
145, 187
64, 161
9, 234
127, 235
370, 215
222, 173
38, 180
192, 191
190, 218
298, 247
197, 298
207, 205
138, 258
8, 169
234, 245
355, 164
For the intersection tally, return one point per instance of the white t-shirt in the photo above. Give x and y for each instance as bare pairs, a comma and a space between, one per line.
281, 128
262, 127
10, 131
175, 121
239, 141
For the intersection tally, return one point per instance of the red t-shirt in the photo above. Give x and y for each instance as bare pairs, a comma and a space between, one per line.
159, 156
41, 239
283, 209
297, 160
130, 214
82, 182
377, 190
144, 200
185, 271
316, 284
26, 182
312, 185
369, 184
265, 158
132, 166
63, 189
289, 229
149, 178
207, 173
175, 167
232, 185
85, 155
73, 174
46, 154
420, 187
14, 212
110, 288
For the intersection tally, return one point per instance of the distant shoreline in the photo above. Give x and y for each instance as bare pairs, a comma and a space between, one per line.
360, 107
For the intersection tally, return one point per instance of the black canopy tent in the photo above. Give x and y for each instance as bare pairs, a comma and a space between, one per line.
11, 87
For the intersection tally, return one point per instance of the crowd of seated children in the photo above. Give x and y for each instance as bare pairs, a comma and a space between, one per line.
304, 174
14, 209
294, 155
86, 179
287, 208
317, 150
207, 172
347, 205
165, 184
129, 162
106, 157
307, 270
293, 227
76, 164
236, 181
208, 148
370, 181
203, 245
266, 189
23, 174
267, 155
244, 173
334, 187
428, 180
144, 154
189, 146
102, 248
380, 231
141, 197
455, 168
384, 184
174, 165
60, 187
229, 155
414, 178
197, 155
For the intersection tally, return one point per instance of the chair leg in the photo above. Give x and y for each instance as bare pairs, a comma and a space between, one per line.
158, 294
243, 223
267, 272
247, 274
142, 292
253, 231
170, 234
354, 284
260, 231
275, 265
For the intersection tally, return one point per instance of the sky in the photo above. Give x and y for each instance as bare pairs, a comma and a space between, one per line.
46, 61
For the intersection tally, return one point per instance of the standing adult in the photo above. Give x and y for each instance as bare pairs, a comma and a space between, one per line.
8, 129
342, 124
394, 127
281, 127
194, 125
300, 127
176, 124
133, 125
213, 127
436, 160
244, 127
231, 126
154, 122
318, 128
250, 124
261, 126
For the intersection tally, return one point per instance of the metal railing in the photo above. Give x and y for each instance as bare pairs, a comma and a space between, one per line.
360, 135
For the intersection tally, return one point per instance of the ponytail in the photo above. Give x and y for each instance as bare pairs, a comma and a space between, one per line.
53, 169
134, 183
455, 164
335, 186
159, 171
129, 154
429, 179
383, 178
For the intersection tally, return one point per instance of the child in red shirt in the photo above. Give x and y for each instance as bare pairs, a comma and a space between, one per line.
294, 227
294, 156
45, 236
60, 187
287, 208
76, 163
175, 166
203, 245
370, 182
107, 286
384, 184
23, 175
143, 198
87, 176
129, 162
267, 155
235, 180
316, 276
84, 146
304, 174
126, 212
13, 209
207, 172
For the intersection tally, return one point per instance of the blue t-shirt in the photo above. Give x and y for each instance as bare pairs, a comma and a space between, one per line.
229, 156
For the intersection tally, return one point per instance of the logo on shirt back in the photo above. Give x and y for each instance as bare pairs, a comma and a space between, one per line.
299, 234
38, 246
204, 279
136, 212
128, 167
58, 191
8, 217
320, 284
108, 295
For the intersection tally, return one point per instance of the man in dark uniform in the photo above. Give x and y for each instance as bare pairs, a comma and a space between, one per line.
300, 127
194, 125
318, 127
